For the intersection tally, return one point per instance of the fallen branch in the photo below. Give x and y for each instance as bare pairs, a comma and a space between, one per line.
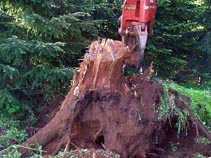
7, 150
26, 147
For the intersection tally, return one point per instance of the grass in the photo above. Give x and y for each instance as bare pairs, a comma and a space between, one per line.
10, 132
200, 100
168, 110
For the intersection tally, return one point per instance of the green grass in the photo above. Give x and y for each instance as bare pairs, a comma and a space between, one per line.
168, 110
200, 100
11, 132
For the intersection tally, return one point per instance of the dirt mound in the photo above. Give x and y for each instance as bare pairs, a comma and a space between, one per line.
105, 110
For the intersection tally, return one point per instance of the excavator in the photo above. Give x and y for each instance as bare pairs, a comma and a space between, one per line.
136, 23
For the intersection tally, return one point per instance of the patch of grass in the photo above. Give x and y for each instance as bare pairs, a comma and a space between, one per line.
198, 155
202, 140
168, 110
200, 101
164, 110
10, 132
14, 153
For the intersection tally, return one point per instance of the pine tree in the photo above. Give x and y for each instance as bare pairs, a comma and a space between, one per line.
170, 48
181, 40
40, 42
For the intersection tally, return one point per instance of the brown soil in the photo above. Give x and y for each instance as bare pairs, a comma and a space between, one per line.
105, 110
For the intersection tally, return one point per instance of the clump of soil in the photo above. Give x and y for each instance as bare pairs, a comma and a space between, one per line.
106, 110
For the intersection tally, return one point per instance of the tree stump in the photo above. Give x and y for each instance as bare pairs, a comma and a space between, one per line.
106, 110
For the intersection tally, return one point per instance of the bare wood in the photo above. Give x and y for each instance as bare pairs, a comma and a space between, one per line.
148, 73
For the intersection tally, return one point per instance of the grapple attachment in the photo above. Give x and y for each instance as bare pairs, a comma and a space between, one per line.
137, 21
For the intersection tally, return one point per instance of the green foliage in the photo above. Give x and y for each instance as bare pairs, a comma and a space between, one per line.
30, 68
173, 147
197, 155
39, 43
180, 47
10, 132
181, 43
174, 19
14, 153
164, 109
200, 101
202, 140
181, 120
168, 110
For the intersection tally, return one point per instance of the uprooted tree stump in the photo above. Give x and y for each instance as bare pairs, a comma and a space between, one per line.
106, 110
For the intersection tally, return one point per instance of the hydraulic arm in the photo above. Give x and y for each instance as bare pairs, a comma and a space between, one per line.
136, 23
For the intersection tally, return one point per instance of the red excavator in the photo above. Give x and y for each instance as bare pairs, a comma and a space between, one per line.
136, 23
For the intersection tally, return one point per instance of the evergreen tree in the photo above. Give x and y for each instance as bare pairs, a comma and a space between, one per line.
167, 47
180, 47
201, 58
39, 43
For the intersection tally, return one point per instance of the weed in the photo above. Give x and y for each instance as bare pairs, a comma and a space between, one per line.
14, 153
197, 155
202, 140
173, 147
11, 132
164, 109
181, 120
168, 110
200, 101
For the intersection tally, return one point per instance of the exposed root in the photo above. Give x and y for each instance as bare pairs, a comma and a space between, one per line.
148, 73
5, 151
197, 130
29, 148
204, 131
59, 126
67, 147
199, 126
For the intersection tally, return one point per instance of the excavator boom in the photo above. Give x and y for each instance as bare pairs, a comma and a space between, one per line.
136, 23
